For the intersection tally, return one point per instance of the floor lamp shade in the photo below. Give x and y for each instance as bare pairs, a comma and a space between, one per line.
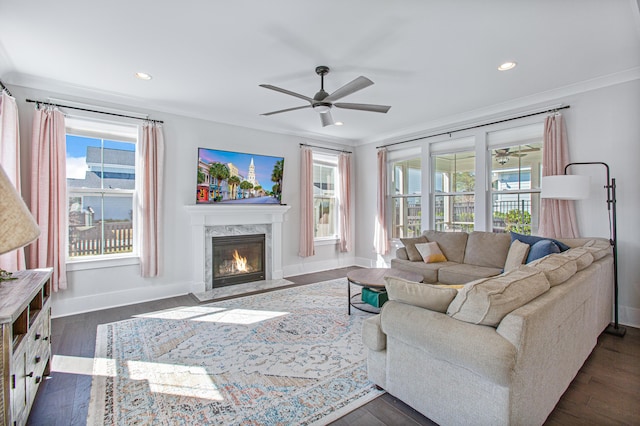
17, 227
565, 187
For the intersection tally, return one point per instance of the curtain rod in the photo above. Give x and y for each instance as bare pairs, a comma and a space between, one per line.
324, 147
5, 88
92, 110
477, 126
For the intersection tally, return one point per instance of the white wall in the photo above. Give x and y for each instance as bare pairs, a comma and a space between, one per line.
602, 125
106, 287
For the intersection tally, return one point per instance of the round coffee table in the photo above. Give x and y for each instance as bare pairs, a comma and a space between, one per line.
373, 278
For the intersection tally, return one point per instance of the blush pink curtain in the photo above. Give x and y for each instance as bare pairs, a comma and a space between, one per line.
49, 194
306, 203
557, 217
150, 198
381, 238
344, 171
10, 161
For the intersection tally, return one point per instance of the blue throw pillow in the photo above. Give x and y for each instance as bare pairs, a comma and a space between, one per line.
531, 240
541, 249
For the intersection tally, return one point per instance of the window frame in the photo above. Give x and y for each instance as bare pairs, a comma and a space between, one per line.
405, 156
121, 132
328, 160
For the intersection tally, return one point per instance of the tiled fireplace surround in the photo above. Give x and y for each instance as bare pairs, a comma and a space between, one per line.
209, 221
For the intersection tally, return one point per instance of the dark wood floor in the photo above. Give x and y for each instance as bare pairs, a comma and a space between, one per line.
605, 391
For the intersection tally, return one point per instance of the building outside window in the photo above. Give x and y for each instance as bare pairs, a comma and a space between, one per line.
101, 176
454, 182
406, 200
325, 196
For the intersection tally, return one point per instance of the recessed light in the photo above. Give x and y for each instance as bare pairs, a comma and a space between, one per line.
507, 66
143, 76
338, 123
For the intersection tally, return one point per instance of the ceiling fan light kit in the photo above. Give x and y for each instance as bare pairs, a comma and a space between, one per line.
322, 102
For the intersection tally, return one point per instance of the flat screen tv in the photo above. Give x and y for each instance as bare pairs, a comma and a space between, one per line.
227, 177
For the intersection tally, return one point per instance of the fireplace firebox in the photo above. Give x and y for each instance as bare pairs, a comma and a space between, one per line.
238, 259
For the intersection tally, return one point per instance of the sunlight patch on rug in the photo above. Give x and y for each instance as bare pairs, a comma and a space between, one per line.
290, 356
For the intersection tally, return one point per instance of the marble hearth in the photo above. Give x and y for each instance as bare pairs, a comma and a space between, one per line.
209, 221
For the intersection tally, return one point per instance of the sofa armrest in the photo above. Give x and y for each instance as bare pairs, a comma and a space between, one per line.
372, 335
473, 347
401, 253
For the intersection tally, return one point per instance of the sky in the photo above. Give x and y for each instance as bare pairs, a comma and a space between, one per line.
263, 163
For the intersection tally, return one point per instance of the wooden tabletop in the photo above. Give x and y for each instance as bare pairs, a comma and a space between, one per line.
374, 277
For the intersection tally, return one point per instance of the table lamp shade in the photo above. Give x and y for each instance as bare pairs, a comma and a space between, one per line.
565, 187
17, 227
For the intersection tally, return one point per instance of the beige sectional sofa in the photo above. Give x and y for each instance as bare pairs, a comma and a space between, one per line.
500, 350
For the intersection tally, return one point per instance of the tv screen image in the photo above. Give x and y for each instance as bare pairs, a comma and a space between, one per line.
227, 177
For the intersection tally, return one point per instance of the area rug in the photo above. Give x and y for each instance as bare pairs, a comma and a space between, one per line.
286, 357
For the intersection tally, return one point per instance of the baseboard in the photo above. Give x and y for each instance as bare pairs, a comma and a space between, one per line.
80, 305
629, 316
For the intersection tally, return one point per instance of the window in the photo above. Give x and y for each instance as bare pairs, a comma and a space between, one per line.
454, 183
100, 187
516, 171
325, 197
406, 215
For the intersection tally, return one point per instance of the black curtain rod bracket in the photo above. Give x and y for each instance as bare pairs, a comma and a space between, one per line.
5, 88
38, 103
449, 132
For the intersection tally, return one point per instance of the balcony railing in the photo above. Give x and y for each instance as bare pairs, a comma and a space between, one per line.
101, 238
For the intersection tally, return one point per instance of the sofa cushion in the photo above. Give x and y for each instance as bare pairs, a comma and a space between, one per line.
489, 300
452, 244
372, 335
556, 267
487, 249
532, 239
541, 249
462, 273
517, 255
429, 271
598, 248
581, 255
410, 246
428, 296
430, 252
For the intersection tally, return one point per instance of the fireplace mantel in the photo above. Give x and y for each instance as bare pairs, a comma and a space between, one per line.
203, 216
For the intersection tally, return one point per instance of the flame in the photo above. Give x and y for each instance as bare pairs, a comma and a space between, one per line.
241, 262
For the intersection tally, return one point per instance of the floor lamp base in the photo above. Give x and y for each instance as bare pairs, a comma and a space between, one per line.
616, 330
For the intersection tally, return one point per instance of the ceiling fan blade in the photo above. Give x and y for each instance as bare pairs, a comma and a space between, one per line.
349, 88
364, 107
287, 92
327, 119
286, 110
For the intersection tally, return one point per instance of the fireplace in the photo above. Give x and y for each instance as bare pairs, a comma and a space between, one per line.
237, 259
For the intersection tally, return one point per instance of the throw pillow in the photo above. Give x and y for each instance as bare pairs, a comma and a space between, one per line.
532, 239
541, 249
518, 252
433, 297
489, 300
556, 267
430, 252
410, 246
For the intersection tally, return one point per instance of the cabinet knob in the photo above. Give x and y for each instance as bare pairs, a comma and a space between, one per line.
37, 359
45, 338
38, 336
38, 378
30, 374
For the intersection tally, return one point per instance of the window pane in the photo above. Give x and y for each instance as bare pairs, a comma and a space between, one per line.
515, 168
455, 172
406, 217
324, 200
324, 217
407, 177
516, 212
454, 213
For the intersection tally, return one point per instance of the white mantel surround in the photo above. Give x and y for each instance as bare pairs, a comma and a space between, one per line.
203, 216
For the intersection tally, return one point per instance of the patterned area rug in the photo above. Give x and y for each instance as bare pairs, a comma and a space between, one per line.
285, 357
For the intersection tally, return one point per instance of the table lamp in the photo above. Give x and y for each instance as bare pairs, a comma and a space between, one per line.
17, 226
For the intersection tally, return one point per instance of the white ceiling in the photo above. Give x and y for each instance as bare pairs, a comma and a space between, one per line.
432, 61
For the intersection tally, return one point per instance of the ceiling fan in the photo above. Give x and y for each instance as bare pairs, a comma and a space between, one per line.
503, 155
322, 102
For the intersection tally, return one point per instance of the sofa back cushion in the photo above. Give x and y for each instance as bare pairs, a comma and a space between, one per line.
581, 255
410, 245
488, 301
556, 267
452, 244
487, 249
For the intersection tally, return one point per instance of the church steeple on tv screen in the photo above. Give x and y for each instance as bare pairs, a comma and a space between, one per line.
227, 177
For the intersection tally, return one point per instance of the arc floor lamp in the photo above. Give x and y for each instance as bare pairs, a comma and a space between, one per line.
576, 187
